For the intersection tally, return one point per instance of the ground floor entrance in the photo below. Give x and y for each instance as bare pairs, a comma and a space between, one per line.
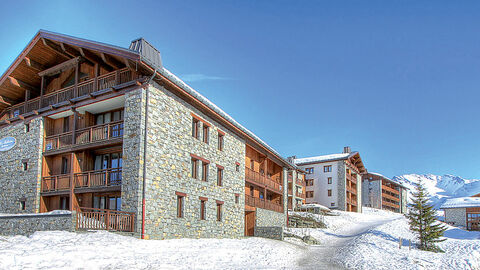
249, 223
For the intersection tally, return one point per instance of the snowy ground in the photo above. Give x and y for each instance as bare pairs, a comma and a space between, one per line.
352, 241
103, 250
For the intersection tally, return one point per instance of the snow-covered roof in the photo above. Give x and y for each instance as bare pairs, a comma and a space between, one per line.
462, 202
324, 158
315, 205
388, 179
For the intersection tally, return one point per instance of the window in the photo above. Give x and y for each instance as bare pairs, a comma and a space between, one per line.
327, 168
220, 141
251, 191
195, 126
329, 180
204, 171
309, 194
180, 205
237, 198
27, 127
25, 165
219, 210
332, 204
329, 192
64, 203
309, 170
195, 168
237, 167
219, 176
205, 133
309, 182
203, 208
23, 204
64, 168
66, 124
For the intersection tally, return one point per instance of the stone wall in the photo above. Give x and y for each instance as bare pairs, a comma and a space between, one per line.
269, 224
403, 201
269, 232
341, 185
169, 147
17, 185
29, 223
456, 216
359, 193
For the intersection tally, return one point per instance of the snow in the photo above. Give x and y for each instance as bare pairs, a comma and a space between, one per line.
104, 250
440, 188
54, 212
323, 158
461, 202
315, 205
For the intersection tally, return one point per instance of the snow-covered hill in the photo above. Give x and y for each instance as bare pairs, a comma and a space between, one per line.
442, 187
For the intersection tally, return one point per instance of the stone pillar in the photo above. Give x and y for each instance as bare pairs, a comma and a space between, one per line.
285, 193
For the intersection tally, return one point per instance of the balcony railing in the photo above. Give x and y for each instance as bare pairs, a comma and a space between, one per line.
298, 194
105, 219
392, 190
261, 179
352, 190
100, 178
352, 201
56, 183
66, 94
385, 203
112, 130
262, 203
300, 182
388, 196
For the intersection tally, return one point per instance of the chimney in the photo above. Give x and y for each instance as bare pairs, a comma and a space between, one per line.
347, 149
291, 159
147, 52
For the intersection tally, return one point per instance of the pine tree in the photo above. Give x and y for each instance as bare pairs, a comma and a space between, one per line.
421, 216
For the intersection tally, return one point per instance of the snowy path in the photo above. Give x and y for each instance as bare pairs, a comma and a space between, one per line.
322, 256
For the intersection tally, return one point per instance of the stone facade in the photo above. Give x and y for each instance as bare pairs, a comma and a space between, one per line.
270, 224
169, 147
372, 194
341, 186
29, 223
17, 184
456, 216
269, 232
403, 201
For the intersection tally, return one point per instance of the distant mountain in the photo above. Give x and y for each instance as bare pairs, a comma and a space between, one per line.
442, 187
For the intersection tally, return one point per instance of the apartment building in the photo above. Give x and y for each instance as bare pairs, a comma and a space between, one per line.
296, 189
381, 192
110, 133
334, 180
463, 212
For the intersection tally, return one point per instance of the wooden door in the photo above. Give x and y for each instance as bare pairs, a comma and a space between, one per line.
249, 223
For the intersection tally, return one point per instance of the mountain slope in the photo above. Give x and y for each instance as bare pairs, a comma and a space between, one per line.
442, 187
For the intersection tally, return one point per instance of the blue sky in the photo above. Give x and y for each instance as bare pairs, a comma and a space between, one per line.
397, 81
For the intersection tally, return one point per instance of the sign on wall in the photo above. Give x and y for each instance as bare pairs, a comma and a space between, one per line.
7, 143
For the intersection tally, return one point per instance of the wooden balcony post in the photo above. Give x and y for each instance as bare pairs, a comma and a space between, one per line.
117, 77
95, 81
74, 132
75, 90
89, 175
107, 217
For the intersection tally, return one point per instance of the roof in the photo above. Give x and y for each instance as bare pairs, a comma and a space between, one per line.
142, 51
387, 179
323, 158
462, 202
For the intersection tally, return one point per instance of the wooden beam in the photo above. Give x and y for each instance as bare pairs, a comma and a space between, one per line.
21, 84
4, 101
92, 57
60, 67
33, 64
111, 61
54, 47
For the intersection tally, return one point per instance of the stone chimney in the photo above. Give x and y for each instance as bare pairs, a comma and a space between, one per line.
291, 159
347, 149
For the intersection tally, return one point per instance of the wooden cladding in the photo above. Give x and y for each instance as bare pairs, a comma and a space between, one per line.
262, 203
99, 178
104, 219
262, 180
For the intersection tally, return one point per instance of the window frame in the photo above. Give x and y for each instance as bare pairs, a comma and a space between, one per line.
205, 133
327, 168
219, 176
180, 205
195, 128
194, 169
203, 208
329, 193
219, 211
205, 171
329, 180
220, 141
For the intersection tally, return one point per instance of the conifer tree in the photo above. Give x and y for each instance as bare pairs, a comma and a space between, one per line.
421, 216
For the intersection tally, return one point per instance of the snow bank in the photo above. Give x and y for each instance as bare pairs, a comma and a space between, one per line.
104, 250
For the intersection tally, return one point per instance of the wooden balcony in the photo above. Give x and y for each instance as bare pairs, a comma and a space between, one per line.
290, 178
261, 180
392, 190
300, 182
262, 203
351, 190
352, 201
300, 195
389, 204
56, 183
388, 196
65, 96
105, 219
100, 178
351, 178
85, 136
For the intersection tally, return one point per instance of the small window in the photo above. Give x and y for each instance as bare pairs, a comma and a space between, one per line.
202, 209
329, 180
309, 170
329, 193
23, 205
64, 168
220, 141
25, 165
66, 124
205, 133
180, 204
219, 177
309, 182
195, 168
195, 126
27, 127
327, 168
219, 211
237, 167
204, 171
332, 204
309, 194
237, 198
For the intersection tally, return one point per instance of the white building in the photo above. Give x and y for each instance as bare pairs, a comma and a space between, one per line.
334, 180
463, 212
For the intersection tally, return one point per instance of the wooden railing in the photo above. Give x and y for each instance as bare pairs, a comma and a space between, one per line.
262, 203
273, 183
388, 196
87, 135
290, 178
100, 178
351, 190
290, 191
66, 94
300, 182
105, 219
263, 180
352, 178
56, 183
387, 188
298, 194
352, 201
385, 203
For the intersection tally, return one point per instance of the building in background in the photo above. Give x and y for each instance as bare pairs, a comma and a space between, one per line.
334, 180
381, 192
110, 133
463, 212
296, 188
